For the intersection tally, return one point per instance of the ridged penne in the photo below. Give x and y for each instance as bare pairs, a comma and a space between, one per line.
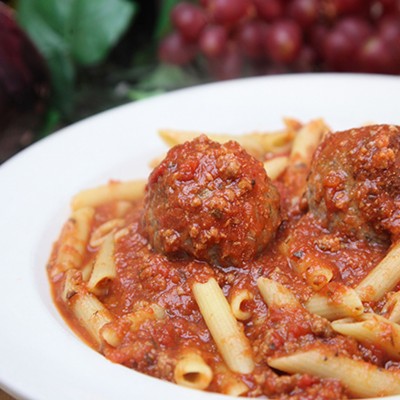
339, 303
276, 166
73, 241
306, 141
257, 143
372, 329
276, 295
237, 297
231, 384
104, 268
192, 371
391, 309
128, 190
383, 278
100, 233
231, 342
360, 378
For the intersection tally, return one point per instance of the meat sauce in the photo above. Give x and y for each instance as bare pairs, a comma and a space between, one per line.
146, 276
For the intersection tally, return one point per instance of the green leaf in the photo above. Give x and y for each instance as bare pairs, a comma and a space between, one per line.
73, 32
163, 25
55, 50
95, 26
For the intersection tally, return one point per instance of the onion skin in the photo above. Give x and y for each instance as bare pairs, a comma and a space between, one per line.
24, 86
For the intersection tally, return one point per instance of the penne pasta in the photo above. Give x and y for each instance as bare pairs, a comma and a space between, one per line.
317, 273
105, 229
306, 141
73, 241
231, 342
71, 284
112, 336
383, 278
318, 276
231, 384
192, 371
150, 312
276, 295
122, 207
339, 303
257, 144
236, 301
372, 329
104, 268
91, 314
391, 310
276, 166
129, 191
360, 378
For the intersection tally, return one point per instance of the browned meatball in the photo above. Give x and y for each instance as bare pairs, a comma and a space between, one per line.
210, 201
354, 183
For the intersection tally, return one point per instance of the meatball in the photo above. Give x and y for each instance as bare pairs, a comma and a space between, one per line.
354, 182
210, 201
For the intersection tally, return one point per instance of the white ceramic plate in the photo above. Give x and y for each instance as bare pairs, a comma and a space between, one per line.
40, 358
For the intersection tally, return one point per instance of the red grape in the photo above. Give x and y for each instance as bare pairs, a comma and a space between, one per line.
174, 49
335, 8
250, 38
317, 35
305, 12
375, 56
339, 51
188, 19
260, 36
306, 60
283, 41
204, 3
386, 7
389, 30
213, 40
228, 11
355, 28
228, 65
269, 9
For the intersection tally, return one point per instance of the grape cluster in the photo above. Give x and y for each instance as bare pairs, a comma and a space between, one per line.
234, 38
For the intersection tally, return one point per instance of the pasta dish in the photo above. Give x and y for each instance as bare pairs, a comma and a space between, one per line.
264, 264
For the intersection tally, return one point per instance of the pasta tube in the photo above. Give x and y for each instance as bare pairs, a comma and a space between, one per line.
91, 314
372, 329
236, 301
276, 166
360, 378
129, 190
276, 295
392, 308
256, 144
73, 241
192, 371
341, 303
383, 278
306, 141
104, 267
231, 384
231, 342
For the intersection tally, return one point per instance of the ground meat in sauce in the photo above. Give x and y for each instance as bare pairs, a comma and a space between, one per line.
354, 182
212, 202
